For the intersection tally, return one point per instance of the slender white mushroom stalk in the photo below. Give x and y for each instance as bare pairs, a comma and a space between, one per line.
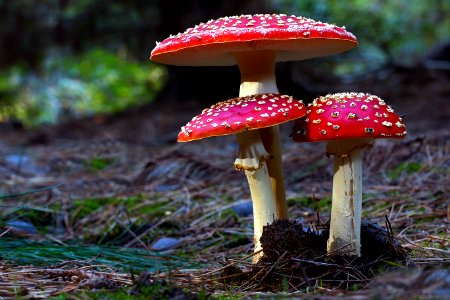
346, 207
257, 77
252, 159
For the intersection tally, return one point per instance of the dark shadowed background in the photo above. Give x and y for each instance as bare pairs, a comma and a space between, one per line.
64, 59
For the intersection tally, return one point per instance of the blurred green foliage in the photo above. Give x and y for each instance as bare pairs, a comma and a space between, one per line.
97, 81
56, 86
397, 32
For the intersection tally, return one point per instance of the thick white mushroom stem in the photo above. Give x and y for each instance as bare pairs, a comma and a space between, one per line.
257, 77
252, 159
345, 224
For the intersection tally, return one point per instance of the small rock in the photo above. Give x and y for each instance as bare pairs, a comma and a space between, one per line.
183, 210
22, 227
25, 163
243, 209
166, 188
440, 279
165, 243
17, 160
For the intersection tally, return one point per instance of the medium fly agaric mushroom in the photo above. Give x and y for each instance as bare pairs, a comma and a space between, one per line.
243, 116
348, 122
255, 43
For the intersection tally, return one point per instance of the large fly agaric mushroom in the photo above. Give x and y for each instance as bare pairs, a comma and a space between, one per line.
255, 43
242, 116
348, 122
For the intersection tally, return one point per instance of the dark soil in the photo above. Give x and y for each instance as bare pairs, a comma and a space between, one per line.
295, 258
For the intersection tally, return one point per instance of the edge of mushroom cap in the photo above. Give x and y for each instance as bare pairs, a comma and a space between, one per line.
242, 113
348, 115
251, 32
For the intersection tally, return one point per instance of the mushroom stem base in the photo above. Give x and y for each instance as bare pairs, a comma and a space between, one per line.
263, 204
345, 225
252, 158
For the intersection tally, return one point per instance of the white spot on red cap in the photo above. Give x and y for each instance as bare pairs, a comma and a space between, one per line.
335, 114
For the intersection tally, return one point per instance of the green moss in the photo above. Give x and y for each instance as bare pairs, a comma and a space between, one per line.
368, 196
426, 220
421, 210
140, 291
404, 168
84, 207
228, 297
301, 201
98, 163
236, 241
153, 210
393, 193
284, 286
310, 202
324, 203
368, 210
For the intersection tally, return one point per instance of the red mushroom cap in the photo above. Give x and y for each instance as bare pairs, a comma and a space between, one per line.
240, 114
210, 44
348, 115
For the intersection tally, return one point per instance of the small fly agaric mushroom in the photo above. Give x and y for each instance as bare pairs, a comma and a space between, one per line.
242, 116
348, 122
255, 43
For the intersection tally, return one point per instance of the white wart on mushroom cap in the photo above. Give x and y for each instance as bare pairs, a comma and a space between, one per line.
291, 37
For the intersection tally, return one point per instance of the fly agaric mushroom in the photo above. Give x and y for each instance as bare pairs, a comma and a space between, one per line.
242, 116
348, 122
255, 43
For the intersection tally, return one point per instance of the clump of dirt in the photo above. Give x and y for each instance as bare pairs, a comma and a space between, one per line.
291, 239
295, 257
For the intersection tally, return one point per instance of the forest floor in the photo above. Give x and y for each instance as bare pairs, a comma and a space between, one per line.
112, 207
